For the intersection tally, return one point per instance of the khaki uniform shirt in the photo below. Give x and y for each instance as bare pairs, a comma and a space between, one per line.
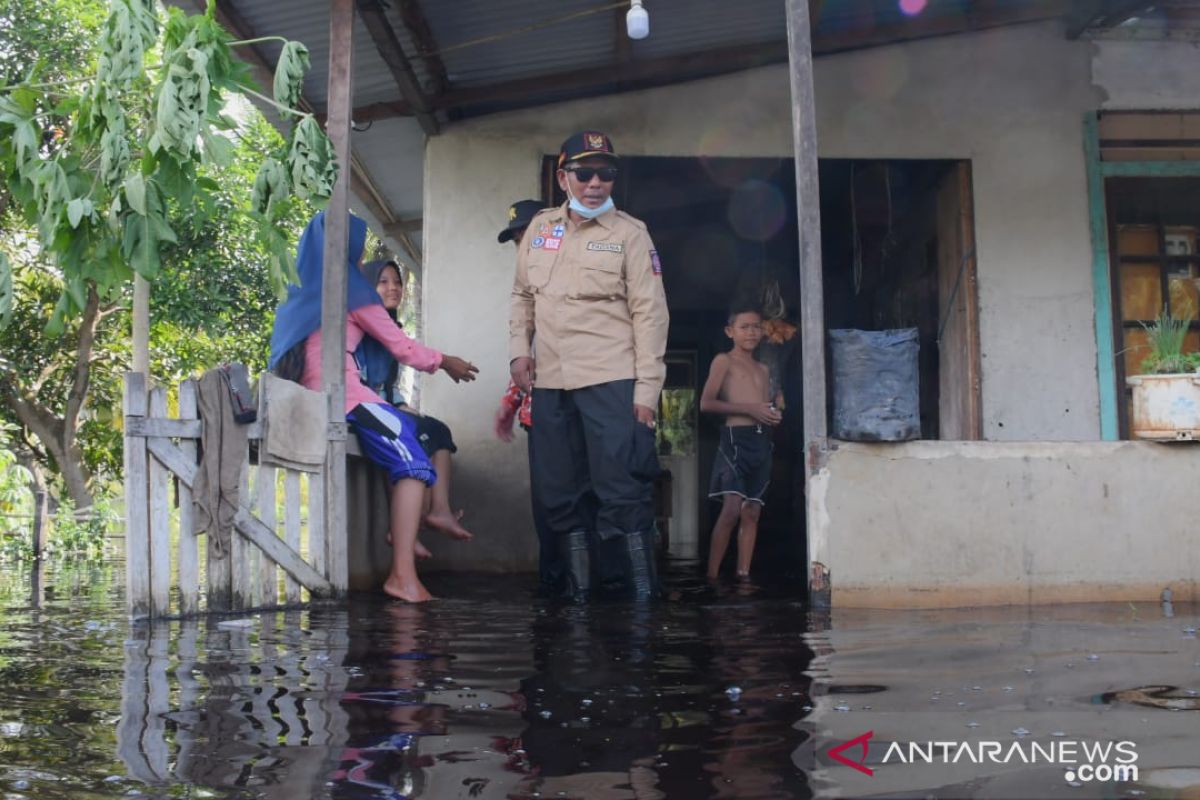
593, 293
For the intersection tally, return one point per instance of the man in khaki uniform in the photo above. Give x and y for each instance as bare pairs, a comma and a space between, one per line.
589, 284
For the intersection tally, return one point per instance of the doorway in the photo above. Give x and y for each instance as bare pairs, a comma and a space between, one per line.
897, 239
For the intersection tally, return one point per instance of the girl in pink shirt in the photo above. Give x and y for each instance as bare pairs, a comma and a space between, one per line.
387, 439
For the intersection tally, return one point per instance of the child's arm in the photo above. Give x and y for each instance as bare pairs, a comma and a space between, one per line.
710, 395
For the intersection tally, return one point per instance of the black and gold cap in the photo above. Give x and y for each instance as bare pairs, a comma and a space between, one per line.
586, 144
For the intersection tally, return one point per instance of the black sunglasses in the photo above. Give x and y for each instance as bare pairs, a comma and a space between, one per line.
585, 174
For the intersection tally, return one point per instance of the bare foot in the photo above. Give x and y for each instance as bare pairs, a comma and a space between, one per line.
743, 576
448, 524
412, 592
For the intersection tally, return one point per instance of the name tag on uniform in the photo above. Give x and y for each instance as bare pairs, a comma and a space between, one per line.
606, 247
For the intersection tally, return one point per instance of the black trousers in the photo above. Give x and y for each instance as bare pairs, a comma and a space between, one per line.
551, 566
587, 442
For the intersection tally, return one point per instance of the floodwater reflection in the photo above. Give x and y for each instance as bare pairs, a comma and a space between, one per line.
734, 692
493, 694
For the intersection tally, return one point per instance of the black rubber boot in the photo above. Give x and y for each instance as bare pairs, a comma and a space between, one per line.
643, 580
579, 566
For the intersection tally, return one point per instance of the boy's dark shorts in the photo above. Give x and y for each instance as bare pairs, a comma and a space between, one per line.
743, 464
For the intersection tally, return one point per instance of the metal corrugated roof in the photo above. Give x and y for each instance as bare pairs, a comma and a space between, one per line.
308, 22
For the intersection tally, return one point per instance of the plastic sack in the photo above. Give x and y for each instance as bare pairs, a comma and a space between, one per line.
876, 394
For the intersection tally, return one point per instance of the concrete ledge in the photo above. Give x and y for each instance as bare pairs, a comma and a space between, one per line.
945, 524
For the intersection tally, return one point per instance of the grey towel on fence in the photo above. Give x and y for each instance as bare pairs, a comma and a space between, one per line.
219, 475
293, 425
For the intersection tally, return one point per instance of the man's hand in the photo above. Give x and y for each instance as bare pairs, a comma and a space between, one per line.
523, 371
644, 415
766, 413
502, 423
459, 369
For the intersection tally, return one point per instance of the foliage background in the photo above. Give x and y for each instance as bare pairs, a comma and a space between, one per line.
212, 301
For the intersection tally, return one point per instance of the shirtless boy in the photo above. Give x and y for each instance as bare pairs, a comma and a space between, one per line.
739, 388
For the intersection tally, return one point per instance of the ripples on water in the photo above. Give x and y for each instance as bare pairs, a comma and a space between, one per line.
492, 694
732, 693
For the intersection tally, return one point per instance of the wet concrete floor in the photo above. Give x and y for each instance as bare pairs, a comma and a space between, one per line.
733, 692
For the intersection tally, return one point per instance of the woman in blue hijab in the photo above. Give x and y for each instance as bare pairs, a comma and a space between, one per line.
386, 437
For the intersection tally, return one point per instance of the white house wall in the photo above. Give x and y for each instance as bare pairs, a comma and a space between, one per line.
1011, 101
1147, 76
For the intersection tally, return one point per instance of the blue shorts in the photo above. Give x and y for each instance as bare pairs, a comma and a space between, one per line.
389, 439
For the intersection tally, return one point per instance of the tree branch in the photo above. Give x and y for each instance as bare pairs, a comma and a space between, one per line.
83, 364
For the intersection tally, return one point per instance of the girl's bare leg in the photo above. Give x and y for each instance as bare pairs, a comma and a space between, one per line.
438, 514
405, 512
747, 537
721, 532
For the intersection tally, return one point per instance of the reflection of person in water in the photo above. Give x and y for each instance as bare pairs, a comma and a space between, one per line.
752, 738
388, 708
591, 711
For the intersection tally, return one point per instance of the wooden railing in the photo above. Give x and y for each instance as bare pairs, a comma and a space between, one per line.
267, 564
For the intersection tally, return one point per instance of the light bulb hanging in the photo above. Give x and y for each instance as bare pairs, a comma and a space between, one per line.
637, 21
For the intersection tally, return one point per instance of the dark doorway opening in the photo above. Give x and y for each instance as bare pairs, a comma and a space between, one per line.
898, 252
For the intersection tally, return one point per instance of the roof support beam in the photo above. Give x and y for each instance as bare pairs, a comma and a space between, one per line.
392, 53
427, 47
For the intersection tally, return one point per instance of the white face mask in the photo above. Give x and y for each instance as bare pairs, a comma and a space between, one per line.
585, 212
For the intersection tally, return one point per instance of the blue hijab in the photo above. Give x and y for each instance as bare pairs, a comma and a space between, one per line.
376, 362
300, 314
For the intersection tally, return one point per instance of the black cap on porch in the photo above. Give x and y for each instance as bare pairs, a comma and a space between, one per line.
520, 214
586, 144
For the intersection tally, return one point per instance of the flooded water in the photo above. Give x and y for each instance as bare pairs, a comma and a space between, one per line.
736, 692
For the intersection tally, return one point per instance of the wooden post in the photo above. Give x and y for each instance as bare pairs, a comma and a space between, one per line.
160, 519
137, 524
333, 289
141, 326
189, 554
808, 211
264, 492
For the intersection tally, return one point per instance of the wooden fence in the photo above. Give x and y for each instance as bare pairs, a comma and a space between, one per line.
270, 561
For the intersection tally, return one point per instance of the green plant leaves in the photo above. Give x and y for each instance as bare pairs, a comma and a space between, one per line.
289, 74
100, 162
312, 163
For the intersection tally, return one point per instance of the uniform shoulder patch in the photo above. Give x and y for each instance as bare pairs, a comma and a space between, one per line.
631, 218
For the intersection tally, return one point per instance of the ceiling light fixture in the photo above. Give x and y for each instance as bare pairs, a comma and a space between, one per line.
637, 21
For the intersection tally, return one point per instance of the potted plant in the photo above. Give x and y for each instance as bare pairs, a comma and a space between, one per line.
1166, 396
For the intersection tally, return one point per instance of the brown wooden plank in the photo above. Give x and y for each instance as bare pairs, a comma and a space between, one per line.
971, 300
333, 312
1163, 126
808, 209
137, 523
957, 340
